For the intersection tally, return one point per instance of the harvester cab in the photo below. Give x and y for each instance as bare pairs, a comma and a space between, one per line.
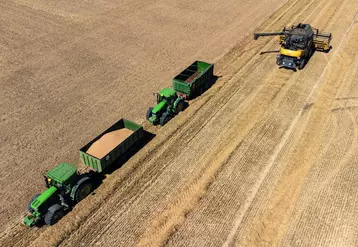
168, 105
65, 187
298, 44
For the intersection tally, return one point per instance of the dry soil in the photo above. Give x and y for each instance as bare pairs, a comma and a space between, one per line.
265, 157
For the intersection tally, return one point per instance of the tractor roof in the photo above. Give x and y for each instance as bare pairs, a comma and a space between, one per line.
62, 172
167, 92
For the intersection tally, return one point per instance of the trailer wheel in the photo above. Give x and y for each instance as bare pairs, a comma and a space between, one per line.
83, 188
54, 214
29, 205
164, 119
149, 113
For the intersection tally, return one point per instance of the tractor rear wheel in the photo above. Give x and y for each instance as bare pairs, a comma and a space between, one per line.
164, 119
180, 106
84, 187
29, 205
149, 113
54, 214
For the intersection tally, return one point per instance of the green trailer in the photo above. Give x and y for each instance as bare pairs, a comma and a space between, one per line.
99, 164
194, 80
66, 186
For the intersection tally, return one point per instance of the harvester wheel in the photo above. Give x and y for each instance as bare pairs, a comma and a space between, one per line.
149, 113
54, 214
83, 188
310, 53
302, 64
29, 205
164, 119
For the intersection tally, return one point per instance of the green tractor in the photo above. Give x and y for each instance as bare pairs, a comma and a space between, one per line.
65, 188
168, 105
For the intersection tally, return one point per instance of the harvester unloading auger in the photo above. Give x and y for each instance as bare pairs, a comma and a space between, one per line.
298, 44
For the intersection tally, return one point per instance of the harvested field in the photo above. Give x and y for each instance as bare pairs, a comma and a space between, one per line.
265, 157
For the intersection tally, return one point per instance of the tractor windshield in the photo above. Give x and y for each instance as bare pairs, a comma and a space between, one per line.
167, 93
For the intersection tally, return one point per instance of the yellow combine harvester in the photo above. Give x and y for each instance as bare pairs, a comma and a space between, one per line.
298, 44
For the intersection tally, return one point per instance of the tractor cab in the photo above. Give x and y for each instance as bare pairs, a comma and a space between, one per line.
166, 94
168, 105
62, 174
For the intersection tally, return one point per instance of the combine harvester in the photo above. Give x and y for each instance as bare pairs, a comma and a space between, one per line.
66, 186
191, 82
298, 44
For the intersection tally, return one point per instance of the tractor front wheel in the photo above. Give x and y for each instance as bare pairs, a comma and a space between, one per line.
29, 205
54, 214
149, 113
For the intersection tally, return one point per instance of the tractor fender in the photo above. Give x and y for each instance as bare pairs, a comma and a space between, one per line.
81, 181
54, 208
177, 101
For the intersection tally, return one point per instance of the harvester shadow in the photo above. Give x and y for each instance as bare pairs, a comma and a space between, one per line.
329, 49
309, 58
314, 51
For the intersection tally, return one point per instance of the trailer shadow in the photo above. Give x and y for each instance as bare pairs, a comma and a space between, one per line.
97, 178
210, 83
147, 137
213, 80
